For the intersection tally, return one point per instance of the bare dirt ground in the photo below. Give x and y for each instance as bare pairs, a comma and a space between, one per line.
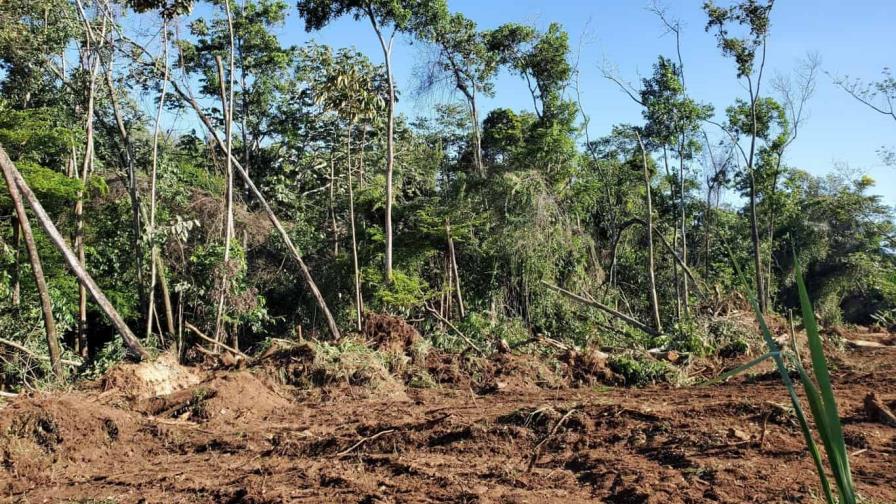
242, 435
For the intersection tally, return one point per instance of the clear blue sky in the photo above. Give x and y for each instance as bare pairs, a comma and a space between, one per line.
855, 38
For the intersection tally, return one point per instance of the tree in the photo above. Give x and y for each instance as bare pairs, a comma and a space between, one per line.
673, 121
401, 16
753, 17
261, 65
651, 275
541, 59
465, 61
351, 86
879, 96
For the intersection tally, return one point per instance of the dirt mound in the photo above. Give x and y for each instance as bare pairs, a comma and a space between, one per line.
160, 376
327, 367
44, 432
587, 367
389, 333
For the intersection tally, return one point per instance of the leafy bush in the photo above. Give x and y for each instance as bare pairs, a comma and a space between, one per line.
640, 371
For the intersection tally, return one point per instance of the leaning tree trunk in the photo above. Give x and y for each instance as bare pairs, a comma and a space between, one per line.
70, 258
16, 269
46, 305
296, 254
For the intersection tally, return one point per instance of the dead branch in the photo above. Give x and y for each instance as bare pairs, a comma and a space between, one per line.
199, 333
596, 304
878, 411
23, 349
442, 319
362, 441
537, 451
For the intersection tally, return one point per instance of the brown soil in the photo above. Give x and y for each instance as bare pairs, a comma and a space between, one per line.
496, 430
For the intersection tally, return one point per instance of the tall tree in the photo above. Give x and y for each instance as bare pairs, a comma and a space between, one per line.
673, 122
387, 18
351, 86
261, 65
465, 63
749, 53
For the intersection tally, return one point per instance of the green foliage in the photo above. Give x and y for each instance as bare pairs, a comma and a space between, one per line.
639, 371
403, 294
543, 207
819, 394
752, 16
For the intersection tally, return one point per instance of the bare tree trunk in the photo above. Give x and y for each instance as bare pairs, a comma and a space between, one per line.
227, 108
675, 275
166, 295
91, 49
351, 216
477, 136
654, 301
754, 235
453, 267
152, 184
70, 258
333, 225
133, 187
306, 273
707, 228
390, 148
37, 270
86, 168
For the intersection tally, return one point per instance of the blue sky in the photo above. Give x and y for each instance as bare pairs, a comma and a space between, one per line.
854, 38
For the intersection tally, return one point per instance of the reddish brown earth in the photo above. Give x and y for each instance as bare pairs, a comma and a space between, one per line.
241, 436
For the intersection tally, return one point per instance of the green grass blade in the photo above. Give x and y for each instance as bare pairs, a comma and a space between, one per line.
788, 383
795, 401
739, 369
827, 416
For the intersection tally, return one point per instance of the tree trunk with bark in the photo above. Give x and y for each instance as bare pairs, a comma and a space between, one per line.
351, 216
70, 258
651, 276
46, 304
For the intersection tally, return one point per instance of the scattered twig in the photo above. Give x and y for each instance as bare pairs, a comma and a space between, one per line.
25, 350
199, 333
442, 319
362, 441
761, 441
537, 451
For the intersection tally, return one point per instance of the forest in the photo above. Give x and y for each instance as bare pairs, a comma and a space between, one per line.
213, 243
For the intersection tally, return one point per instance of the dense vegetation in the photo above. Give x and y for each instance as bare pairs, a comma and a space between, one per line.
463, 222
